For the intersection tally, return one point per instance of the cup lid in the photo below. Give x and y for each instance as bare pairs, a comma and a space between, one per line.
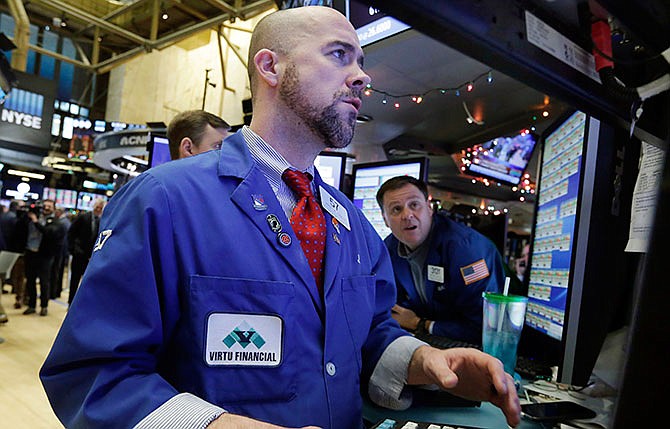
499, 297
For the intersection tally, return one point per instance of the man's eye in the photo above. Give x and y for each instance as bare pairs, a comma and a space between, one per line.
339, 53
395, 210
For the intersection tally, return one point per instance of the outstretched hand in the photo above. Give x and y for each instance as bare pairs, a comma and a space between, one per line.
468, 373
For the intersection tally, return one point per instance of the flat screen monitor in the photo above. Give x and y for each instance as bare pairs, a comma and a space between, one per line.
576, 278
85, 200
65, 198
369, 177
159, 150
503, 159
331, 167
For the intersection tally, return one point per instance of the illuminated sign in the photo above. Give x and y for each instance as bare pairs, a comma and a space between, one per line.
24, 108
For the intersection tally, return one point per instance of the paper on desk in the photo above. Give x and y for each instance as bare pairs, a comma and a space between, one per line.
644, 197
602, 406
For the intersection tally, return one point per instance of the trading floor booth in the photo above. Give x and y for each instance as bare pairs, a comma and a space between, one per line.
583, 286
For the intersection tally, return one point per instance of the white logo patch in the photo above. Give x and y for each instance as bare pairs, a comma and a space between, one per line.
102, 239
244, 340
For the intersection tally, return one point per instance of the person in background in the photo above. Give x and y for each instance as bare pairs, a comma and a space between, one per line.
240, 321
521, 263
441, 266
45, 238
81, 238
195, 131
62, 255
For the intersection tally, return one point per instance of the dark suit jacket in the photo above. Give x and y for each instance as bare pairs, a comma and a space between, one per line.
81, 236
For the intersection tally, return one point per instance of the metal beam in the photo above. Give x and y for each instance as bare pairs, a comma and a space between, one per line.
494, 33
60, 57
112, 28
118, 12
223, 6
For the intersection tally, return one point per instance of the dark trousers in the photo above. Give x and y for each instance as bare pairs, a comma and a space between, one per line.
57, 275
38, 266
19, 279
77, 268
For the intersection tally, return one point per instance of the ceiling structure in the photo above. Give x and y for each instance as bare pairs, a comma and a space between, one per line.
109, 32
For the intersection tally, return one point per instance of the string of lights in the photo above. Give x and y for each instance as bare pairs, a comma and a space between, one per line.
467, 86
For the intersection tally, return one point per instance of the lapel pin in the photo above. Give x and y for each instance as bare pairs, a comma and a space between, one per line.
336, 238
274, 223
259, 202
284, 239
336, 225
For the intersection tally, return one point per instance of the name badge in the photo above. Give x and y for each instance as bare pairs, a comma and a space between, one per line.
436, 274
333, 207
235, 339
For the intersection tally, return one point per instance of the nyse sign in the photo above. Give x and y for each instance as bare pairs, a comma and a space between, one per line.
23, 119
24, 108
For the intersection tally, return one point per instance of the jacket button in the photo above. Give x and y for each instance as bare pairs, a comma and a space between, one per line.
330, 368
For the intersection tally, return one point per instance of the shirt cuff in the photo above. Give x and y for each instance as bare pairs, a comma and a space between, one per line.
182, 411
388, 381
430, 327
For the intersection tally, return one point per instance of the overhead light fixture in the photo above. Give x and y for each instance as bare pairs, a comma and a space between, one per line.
26, 174
469, 118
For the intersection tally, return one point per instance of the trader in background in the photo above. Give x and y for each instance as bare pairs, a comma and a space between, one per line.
195, 131
81, 238
275, 307
441, 266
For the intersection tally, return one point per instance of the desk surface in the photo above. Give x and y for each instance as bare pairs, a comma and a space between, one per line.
485, 416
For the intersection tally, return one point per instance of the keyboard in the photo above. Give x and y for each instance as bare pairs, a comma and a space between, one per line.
527, 368
408, 424
531, 369
444, 342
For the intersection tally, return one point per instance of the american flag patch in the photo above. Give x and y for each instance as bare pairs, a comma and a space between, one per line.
475, 271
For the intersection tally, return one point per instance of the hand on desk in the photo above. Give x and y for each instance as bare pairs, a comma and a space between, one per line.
406, 318
234, 421
468, 373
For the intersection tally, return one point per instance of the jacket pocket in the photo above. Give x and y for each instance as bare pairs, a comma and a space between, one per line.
240, 328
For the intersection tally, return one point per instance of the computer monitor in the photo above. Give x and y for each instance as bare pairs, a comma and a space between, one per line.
577, 261
331, 167
159, 150
85, 200
503, 159
369, 177
65, 198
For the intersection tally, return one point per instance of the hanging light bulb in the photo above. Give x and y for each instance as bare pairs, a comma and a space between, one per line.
489, 78
470, 86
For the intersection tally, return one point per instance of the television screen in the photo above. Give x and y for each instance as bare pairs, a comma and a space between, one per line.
85, 200
65, 198
331, 167
159, 150
503, 159
368, 178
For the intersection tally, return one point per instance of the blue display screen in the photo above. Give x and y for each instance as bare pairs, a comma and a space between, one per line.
554, 237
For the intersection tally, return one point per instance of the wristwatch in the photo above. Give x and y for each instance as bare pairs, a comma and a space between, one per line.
421, 326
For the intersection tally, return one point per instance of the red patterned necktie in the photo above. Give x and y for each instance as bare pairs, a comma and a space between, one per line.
308, 222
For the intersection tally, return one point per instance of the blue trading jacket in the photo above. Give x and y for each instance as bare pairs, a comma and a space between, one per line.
191, 249
455, 307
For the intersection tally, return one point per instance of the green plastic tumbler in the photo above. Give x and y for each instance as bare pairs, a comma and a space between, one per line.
503, 321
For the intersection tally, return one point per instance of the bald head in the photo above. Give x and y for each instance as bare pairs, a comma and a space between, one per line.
282, 30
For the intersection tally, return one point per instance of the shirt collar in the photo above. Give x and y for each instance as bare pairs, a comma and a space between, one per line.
270, 162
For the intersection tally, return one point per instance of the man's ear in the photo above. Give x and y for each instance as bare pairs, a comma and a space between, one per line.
265, 62
185, 147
